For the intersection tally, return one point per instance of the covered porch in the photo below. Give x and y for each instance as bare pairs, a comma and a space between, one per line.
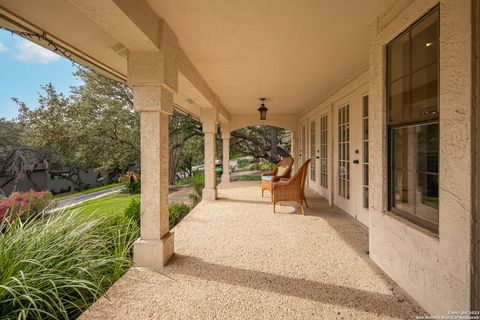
235, 259
323, 67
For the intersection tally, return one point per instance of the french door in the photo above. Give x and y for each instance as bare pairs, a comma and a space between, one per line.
314, 153
351, 158
324, 161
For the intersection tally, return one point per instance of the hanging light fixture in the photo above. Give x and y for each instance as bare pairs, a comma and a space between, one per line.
263, 110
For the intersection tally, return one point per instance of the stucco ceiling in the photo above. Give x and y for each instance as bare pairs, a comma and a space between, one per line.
293, 52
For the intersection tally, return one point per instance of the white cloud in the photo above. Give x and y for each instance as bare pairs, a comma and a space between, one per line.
30, 52
3, 48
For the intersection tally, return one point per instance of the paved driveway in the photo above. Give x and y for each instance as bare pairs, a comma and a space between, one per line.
78, 199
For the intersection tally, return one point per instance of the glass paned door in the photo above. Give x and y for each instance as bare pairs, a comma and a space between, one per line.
344, 151
365, 150
313, 151
303, 145
324, 151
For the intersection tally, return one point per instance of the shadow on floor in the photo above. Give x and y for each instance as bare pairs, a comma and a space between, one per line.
224, 199
373, 302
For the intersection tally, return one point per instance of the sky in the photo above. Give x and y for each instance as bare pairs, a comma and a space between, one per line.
24, 68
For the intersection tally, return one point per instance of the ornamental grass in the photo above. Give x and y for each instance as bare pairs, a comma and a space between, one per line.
54, 266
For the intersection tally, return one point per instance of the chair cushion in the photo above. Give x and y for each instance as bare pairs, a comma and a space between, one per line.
282, 170
267, 178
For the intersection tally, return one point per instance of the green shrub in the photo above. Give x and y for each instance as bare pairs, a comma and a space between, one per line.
198, 183
266, 166
244, 162
247, 178
176, 212
55, 267
132, 212
23, 205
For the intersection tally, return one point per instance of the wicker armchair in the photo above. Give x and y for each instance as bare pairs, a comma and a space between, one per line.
293, 189
281, 171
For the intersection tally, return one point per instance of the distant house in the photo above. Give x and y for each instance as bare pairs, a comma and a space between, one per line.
41, 177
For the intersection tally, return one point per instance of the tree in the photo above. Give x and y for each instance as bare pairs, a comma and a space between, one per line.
261, 142
16, 160
10, 132
182, 129
95, 127
21, 163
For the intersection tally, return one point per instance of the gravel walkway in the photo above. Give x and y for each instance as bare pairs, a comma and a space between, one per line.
235, 259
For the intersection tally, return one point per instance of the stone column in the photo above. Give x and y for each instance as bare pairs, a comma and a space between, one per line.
153, 99
226, 152
209, 121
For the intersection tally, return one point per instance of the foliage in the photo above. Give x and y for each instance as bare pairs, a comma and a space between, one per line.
243, 162
192, 154
16, 159
247, 178
132, 212
266, 166
197, 181
176, 212
94, 127
186, 144
261, 142
20, 163
11, 133
135, 188
56, 267
24, 205
133, 181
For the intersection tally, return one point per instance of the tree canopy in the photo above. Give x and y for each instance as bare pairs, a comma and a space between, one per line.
96, 127
261, 142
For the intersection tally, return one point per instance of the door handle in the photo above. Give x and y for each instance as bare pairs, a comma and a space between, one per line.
356, 161
317, 157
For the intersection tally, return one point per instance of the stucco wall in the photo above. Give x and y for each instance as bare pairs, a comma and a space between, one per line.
352, 94
433, 270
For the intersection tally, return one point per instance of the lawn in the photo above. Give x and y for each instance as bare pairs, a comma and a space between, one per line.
63, 196
107, 205
55, 266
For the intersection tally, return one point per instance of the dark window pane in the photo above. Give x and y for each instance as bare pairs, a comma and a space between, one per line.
399, 57
412, 87
365, 197
365, 106
365, 152
365, 174
425, 93
415, 171
365, 129
425, 42
399, 99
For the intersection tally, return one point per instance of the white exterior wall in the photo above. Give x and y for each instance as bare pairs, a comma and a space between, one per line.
351, 94
434, 270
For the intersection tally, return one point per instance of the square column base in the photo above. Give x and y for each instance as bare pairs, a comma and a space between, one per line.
226, 177
153, 254
209, 194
